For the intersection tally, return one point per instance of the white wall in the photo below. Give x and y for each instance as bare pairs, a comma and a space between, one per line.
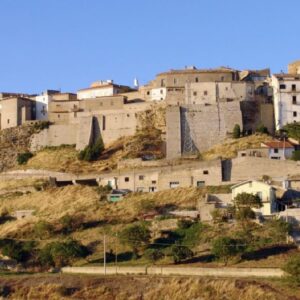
42, 105
96, 92
158, 94
284, 107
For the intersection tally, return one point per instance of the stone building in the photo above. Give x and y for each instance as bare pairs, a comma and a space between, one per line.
15, 111
294, 67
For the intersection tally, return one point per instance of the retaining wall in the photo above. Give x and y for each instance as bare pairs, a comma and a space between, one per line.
194, 271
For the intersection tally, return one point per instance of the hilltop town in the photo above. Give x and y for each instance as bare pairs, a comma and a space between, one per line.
154, 174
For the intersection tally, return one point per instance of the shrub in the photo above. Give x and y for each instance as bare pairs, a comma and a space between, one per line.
236, 131
153, 255
245, 213
71, 223
225, 247
92, 152
145, 205
23, 158
247, 200
261, 129
279, 229
293, 130
5, 290
20, 251
292, 268
296, 155
184, 224
43, 229
179, 253
136, 236
59, 254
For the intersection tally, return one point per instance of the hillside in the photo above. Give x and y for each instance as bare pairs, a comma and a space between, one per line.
230, 147
149, 288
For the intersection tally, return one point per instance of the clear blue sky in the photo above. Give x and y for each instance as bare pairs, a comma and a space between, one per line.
67, 44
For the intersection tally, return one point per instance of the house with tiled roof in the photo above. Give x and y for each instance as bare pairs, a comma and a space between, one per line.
279, 149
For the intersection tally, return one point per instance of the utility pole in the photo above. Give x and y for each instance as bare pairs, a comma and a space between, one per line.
104, 254
116, 254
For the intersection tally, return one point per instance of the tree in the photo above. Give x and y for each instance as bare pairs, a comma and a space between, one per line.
296, 155
292, 268
23, 158
293, 130
153, 255
179, 253
247, 200
59, 254
225, 247
92, 152
261, 128
236, 131
136, 236
43, 229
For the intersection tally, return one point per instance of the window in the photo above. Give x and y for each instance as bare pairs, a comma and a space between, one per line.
103, 122
162, 82
282, 86
293, 87
175, 81
141, 177
148, 93
195, 93
58, 116
205, 172
8, 121
161, 91
294, 99
126, 179
174, 184
200, 183
294, 114
153, 181
276, 150
196, 79
205, 93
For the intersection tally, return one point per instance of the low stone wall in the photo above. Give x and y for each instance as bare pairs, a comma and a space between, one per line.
193, 271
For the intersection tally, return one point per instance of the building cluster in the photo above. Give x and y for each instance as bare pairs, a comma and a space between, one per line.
203, 106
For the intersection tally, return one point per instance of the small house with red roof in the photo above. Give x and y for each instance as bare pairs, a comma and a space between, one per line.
279, 149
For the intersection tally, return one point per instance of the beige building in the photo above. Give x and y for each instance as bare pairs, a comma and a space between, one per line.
103, 89
264, 191
16, 111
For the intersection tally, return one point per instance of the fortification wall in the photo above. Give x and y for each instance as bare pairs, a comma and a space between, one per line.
55, 135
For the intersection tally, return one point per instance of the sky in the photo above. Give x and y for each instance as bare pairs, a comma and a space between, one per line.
68, 44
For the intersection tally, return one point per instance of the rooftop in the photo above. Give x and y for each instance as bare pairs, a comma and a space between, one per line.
278, 144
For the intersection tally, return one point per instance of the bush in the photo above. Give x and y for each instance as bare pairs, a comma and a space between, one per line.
245, 213
180, 253
5, 290
43, 229
136, 236
184, 224
296, 155
23, 158
262, 129
145, 205
293, 130
153, 255
247, 200
59, 254
292, 267
279, 229
71, 223
236, 131
20, 251
225, 247
92, 152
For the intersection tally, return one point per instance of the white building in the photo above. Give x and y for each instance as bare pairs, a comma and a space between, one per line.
286, 89
158, 94
102, 89
279, 149
42, 104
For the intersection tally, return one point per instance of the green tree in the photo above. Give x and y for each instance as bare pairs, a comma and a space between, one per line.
92, 152
179, 253
153, 255
23, 158
261, 128
225, 247
236, 131
293, 130
59, 254
296, 155
247, 200
136, 236
43, 229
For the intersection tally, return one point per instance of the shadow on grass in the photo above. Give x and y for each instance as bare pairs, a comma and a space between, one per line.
110, 257
266, 252
207, 258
